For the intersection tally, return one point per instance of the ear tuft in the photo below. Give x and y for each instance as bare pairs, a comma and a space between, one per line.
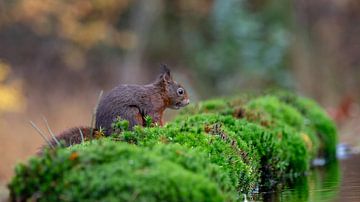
164, 69
165, 73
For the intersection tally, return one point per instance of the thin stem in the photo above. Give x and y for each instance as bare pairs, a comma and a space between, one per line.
94, 115
41, 134
50, 131
82, 136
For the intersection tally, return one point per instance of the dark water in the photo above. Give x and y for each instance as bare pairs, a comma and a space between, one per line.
339, 181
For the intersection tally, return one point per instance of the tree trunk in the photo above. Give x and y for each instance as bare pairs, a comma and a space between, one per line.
326, 49
143, 16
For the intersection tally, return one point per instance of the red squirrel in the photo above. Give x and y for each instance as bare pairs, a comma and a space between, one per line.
132, 103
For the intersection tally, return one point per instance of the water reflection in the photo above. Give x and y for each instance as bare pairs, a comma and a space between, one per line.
350, 182
339, 181
321, 184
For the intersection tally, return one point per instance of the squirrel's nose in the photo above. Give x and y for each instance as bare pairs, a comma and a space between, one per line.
187, 101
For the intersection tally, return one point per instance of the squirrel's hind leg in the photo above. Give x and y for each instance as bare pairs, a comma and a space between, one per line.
134, 116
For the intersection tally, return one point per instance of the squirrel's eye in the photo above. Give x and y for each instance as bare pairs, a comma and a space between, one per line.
180, 91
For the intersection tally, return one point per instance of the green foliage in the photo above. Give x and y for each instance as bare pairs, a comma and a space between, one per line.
191, 132
224, 106
213, 151
317, 119
120, 125
209, 106
272, 107
110, 171
241, 46
276, 113
148, 121
244, 149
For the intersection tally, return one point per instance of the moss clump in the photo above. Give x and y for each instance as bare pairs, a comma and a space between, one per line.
278, 114
111, 171
222, 106
303, 115
317, 119
192, 132
250, 153
213, 151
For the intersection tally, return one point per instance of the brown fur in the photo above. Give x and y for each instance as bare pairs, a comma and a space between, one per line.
134, 102
72, 136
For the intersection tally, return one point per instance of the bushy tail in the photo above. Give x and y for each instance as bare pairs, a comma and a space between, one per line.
75, 135
72, 136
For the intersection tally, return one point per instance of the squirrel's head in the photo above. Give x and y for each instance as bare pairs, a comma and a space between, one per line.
175, 94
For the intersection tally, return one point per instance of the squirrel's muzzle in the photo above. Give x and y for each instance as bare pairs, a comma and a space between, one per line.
186, 102
183, 103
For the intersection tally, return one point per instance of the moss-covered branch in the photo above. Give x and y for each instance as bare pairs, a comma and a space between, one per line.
215, 151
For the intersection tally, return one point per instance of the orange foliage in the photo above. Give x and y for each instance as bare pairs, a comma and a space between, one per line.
83, 22
11, 97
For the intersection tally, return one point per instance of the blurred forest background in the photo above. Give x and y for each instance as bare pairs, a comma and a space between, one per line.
56, 56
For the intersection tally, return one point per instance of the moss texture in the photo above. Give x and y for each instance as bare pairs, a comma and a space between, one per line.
106, 170
214, 151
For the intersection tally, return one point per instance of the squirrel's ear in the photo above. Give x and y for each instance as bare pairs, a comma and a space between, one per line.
165, 73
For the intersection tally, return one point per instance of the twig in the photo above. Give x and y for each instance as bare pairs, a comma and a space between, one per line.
42, 134
82, 136
50, 131
94, 115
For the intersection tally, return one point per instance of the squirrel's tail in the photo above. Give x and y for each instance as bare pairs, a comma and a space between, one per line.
72, 136
75, 135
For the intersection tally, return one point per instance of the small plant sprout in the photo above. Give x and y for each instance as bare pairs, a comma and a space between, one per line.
148, 121
101, 129
120, 125
245, 199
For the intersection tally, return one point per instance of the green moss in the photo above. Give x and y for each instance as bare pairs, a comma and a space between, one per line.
191, 133
251, 154
224, 106
317, 119
209, 106
275, 113
213, 151
110, 171
268, 111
